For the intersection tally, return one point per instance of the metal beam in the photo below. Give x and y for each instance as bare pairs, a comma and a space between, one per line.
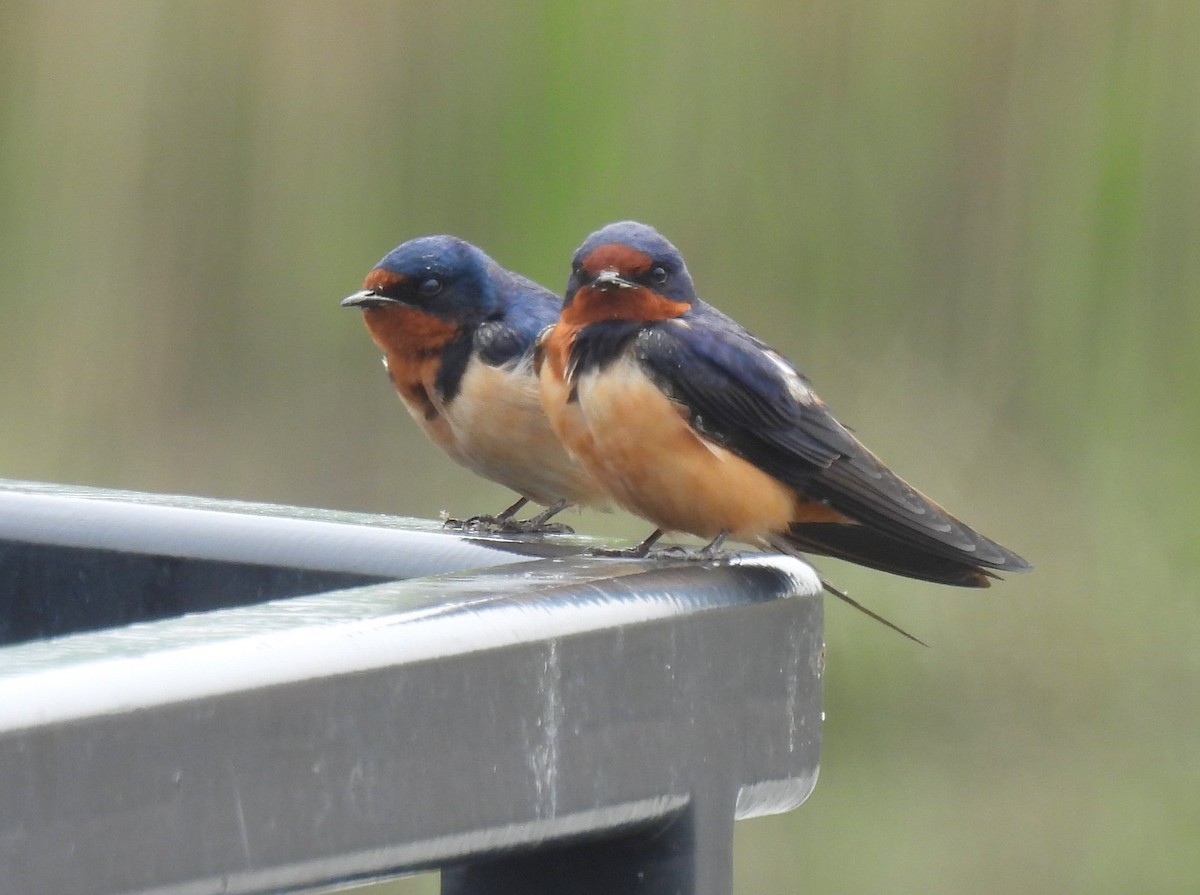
510, 724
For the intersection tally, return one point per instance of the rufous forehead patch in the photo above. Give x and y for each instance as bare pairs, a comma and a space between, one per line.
380, 280
618, 257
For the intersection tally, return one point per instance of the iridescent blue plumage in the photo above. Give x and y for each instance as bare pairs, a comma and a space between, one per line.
631, 308
499, 312
458, 332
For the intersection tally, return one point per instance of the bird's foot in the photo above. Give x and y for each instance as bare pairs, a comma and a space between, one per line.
690, 554
483, 523
641, 551
541, 524
534, 527
499, 525
673, 552
616, 552
471, 524
710, 552
504, 523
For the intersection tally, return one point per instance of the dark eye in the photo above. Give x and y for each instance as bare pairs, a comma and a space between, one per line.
430, 288
658, 275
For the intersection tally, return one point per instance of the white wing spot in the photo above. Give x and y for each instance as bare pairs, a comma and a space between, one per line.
796, 386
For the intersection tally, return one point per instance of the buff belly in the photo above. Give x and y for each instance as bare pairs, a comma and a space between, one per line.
640, 446
501, 432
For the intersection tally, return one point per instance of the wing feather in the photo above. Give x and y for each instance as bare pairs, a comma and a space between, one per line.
746, 397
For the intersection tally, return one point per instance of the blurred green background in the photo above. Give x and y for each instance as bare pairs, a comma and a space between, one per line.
976, 225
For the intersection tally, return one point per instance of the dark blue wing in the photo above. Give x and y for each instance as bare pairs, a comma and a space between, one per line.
746, 397
742, 394
506, 336
524, 311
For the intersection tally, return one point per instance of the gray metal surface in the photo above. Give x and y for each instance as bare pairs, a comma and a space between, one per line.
456, 720
237, 531
74, 559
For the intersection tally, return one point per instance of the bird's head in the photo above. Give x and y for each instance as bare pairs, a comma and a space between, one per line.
439, 276
627, 271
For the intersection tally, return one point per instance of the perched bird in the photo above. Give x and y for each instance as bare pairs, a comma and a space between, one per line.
693, 423
457, 332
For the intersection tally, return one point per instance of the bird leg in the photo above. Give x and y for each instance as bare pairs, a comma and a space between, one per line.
711, 550
539, 524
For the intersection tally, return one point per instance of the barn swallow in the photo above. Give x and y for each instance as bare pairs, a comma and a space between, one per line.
457, 332
698, 426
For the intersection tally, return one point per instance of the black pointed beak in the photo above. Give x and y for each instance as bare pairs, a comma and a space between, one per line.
368, 299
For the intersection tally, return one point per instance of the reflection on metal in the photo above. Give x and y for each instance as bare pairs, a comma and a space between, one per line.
523, 717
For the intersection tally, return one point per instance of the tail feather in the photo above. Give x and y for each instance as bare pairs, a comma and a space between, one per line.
870, 613
868, 547
865, 490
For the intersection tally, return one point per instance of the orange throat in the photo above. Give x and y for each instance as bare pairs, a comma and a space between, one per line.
591, 305
555, 349
412, 341
401, 331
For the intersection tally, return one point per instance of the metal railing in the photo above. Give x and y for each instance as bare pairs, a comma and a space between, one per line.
201, 696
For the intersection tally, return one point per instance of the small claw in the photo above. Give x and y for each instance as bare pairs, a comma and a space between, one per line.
710, 552
616, 552
706, 555
534, 527
638, 552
